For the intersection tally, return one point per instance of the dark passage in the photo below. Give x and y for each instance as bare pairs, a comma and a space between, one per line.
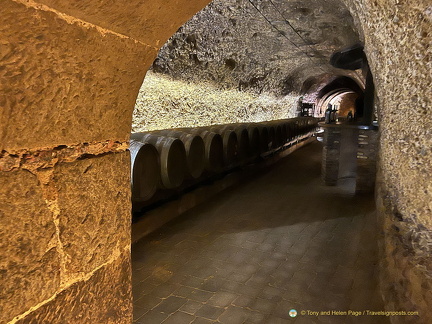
281, 241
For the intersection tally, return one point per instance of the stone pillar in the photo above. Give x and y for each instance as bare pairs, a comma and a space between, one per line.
68, 84
330, 156
367, 153
66, 101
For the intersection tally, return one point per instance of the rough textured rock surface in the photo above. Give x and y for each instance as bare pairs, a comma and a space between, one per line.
397, 43
103, 298
153, 21
232, 44
29, 272
397, 37
50, 239
61, 76
98, 229
167, 103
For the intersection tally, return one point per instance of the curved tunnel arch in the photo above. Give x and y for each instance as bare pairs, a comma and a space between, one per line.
323, 89
323, 102
56, 98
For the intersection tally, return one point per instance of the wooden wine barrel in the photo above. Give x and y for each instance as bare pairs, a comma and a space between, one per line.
195, 150
242, 141
230, 144
254, 140
279, 136
172, 157
284, 132
293, 129
272, 135
300, 125
145, 170
213, 144
288, 130
264, 138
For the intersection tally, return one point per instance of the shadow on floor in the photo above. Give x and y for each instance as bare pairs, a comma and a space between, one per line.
279, 241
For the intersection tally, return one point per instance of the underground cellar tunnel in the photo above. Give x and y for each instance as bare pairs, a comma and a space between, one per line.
70, 76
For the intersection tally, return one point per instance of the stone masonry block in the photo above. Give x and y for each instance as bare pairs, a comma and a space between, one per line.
29, 261
94, 210
150, 21
104, 298
63, 81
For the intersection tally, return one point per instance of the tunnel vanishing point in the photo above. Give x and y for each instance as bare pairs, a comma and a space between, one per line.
70, 72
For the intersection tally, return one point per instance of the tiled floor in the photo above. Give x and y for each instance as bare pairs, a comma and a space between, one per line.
278, 242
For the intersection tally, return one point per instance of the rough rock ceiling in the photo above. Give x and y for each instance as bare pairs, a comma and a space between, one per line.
259, 45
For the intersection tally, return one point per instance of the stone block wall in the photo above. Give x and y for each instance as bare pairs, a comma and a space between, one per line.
54, 246
69, 77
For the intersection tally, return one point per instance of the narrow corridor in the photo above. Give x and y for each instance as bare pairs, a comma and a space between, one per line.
281, 241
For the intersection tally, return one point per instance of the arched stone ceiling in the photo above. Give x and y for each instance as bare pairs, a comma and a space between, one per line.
260, 45
150, 22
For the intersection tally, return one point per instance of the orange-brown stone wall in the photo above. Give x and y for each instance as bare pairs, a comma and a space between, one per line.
69, 76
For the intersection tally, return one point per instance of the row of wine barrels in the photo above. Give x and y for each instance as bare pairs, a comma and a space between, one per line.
195, 150
172, 153
165, 158
230, 145
213, 148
